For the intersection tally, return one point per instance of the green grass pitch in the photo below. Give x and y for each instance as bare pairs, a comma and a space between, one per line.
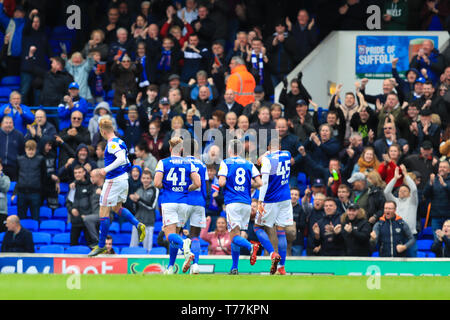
220, 287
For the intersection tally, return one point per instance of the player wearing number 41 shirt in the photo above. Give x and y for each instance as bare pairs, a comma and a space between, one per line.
235, 176
115, 188
176, 176
274, 205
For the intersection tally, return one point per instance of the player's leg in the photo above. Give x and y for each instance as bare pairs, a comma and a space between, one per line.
284, 219
198, 221
235, 250
124, 212
282, 248
105, 222
175, 242
184, 213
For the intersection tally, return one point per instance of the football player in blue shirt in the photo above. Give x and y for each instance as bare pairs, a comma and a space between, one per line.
176, 176
235, 176
115, 188
274, 205
196, 202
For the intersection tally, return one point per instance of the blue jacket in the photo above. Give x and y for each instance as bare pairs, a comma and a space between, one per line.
17, 26
11, 146
64, 112
20, 120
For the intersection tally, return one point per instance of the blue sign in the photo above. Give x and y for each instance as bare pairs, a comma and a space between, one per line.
26, 265
374, 54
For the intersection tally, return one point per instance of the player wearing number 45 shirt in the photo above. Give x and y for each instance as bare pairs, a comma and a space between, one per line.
115, 188
274, 205
176, 176
235, 176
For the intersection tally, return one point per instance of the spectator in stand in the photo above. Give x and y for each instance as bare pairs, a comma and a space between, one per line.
100, 110
312, 214
427, 131
387, 88
109, 245
146, 201
96, 44
302, 124
437, 190
81, 158
276, 111
78, 205
21, 114
219, 239
13, 26
214, 196
72, 102
430, 59
32, 171
322, 147
35, 52
196, 58
390, 163
350, 13
395, 15
134, 126
174, 83
434, 14
79, 69
125, 73
17, 239
50, 183
204, 26
202, 80
230, 103
41, 129
435, 102
407, 203
296, 232
355, 230
327, 231
174, 26
258, 64
11, 146
5, 182
411, 76
283, 53
241, 82
263, 126
154, 139
251, 110
304, 32
444, 147
417, 92
365, 122
73, 137
241, 46
392, 244
100, 153
139, 28
144, 158
125, 18
98, 79
367, 162
167, 60
441, 245
111, 25
150, 104
424, 162
218, 65
388, 138
134, 183
290, 100
92, 220
343, 198
189, 12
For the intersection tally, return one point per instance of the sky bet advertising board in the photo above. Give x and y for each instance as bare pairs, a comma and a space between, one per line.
374, 54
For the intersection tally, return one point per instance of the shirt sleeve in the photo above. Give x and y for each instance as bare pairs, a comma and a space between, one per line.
223, 169
266, 166
113, 147
206, 175
255, 172
194, 168
159, 167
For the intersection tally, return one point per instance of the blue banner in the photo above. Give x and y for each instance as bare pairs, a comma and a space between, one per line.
374, 54
26, 265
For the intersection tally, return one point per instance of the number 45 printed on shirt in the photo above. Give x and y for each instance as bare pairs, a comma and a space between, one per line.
283, 169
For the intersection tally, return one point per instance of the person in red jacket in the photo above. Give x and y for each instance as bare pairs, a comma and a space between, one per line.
388, 166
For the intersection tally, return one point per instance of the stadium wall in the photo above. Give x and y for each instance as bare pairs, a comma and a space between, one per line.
137, 264
333, 60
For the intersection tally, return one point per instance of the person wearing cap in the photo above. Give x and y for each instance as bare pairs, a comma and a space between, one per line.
251, 110
17, 238
411, 75
72, 102
407, 202
283, 53
424, 162
391, 233
428, 131
355, 230
21, 114
173, 81
302, 123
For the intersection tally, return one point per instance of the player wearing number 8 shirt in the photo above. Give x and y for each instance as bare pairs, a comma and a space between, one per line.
235, 176
176, 176
274, 205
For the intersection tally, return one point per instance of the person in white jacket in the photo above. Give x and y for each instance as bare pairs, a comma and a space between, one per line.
407, 202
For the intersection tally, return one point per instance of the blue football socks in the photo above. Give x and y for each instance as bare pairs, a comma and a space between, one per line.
235, 252
124, 212
241, 242
264, 239
195, 249
282, 245
104, 228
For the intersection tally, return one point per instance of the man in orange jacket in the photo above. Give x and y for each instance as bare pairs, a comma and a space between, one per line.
241, 82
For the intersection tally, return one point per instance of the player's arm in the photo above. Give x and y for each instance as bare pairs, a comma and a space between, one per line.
223, 172
196, 182
121, 159
265, 172
256, 182
222, 181
159, 174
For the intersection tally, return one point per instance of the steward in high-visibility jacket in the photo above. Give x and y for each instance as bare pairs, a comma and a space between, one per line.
243, 85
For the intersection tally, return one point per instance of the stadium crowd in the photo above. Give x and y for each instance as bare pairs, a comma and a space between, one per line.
363, 173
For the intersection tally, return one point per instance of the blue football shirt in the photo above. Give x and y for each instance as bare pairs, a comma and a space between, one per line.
278, 166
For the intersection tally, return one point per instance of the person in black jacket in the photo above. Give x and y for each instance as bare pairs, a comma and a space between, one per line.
11, 146
65, 173
356, 232
327, 231
204, 27
134, 126
391, 233
441, 245
17, 239
32, 171
289, 100
295, 248
50, 187
78, 205
55, 84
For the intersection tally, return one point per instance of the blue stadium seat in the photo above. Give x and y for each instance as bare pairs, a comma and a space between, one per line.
41, 238
12, 185
68, 226
31, 225
203, 243
45, 213
421, 254
223, 214
157, 227
60, 214
61, 238
12, 82
64, 187
126, 227
52, 226
134, 250
424, 245
304, 253
53, 248
4, 93
114, 227
110, 95
63, 32
203, 252
158, 250
2, 235
61, 200
158, 216
77, 250
376, 254
426, 233
430, 254
121, 240
12, 210
155, 240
